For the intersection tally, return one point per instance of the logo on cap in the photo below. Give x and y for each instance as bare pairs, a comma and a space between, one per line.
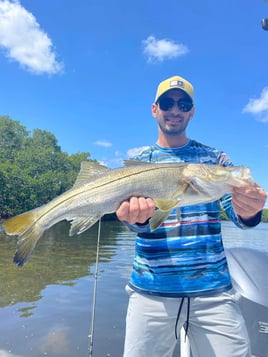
176, 83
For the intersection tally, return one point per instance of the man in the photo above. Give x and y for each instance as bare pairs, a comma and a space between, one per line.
180, 274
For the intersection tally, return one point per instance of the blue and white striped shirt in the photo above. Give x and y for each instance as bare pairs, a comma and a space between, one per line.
185, 256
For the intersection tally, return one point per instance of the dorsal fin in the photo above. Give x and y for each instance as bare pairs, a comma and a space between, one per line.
89, 171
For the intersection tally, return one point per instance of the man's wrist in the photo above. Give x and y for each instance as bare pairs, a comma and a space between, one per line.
252, 221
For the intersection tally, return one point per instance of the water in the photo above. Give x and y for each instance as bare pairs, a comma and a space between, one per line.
46, 307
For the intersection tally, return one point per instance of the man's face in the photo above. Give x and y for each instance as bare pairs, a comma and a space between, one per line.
173, 121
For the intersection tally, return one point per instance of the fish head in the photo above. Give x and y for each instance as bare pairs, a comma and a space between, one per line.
214, 180
240, 176
206, 173
216, 173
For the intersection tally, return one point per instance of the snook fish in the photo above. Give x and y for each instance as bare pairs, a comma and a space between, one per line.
99, 190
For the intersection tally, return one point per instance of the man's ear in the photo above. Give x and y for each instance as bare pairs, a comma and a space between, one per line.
154, 110
192, 112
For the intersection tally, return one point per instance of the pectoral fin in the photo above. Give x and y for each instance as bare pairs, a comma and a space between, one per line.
166, 205
158, 218
160, 215
80, 225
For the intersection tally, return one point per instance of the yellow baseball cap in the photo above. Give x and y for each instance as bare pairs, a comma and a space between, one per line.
175, 82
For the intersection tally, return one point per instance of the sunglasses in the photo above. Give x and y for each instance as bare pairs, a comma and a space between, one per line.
167, 103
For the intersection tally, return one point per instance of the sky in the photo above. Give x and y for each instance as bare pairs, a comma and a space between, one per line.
87, 71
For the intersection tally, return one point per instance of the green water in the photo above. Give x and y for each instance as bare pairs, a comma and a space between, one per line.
46, 306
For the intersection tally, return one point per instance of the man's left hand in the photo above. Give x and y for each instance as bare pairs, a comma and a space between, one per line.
248, 201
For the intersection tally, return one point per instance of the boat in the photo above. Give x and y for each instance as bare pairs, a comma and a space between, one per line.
249, 272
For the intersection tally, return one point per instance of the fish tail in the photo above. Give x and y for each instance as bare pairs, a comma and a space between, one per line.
19, 224
26, 245
29, 232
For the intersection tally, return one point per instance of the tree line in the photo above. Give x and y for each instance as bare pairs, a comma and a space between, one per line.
34, 169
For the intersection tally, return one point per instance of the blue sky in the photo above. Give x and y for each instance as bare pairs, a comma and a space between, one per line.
87, 71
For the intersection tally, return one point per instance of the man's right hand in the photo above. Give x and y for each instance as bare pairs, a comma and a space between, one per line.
136, 210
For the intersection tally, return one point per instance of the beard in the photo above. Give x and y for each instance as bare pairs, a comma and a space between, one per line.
172, 130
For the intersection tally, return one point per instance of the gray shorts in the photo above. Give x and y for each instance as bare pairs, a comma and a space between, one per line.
216, 326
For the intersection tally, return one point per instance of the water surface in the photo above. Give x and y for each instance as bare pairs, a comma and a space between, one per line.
46, 306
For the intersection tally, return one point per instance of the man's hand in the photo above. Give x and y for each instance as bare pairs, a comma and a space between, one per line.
136, 210
248, 201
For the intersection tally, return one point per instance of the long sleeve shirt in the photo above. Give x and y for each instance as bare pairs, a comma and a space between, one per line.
185, 255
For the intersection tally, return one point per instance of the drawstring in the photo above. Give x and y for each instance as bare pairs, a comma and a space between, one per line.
178, 317
187, 318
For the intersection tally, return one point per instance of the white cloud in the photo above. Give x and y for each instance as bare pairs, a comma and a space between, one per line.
103, 143
116, 160
159, 50
258, 106
136, 151
23, 40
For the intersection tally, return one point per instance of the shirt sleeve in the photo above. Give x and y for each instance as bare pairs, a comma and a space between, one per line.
253, 221
139, 227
